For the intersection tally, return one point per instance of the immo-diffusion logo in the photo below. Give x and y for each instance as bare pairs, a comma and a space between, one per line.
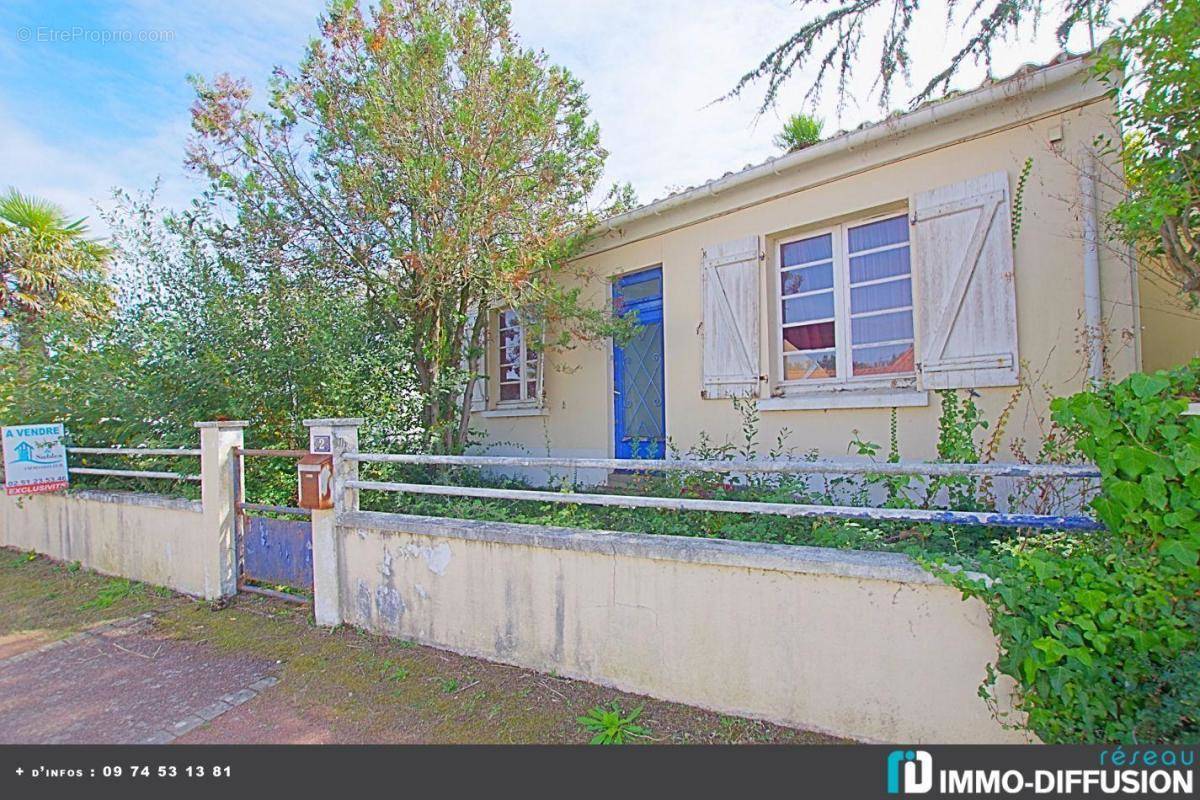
909, 772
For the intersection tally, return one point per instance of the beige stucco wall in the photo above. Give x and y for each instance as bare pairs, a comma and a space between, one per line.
864, 645
1053, 126
159, 540
1170, 330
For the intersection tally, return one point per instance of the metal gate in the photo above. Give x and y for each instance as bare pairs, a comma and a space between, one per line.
274, 553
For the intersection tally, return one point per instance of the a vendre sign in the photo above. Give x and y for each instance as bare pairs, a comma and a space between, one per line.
35, 458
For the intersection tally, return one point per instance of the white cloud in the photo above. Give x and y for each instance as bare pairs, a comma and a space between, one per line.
652, 69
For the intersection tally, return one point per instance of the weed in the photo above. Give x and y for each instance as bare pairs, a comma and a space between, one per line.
448, 685
610, 725
113, 592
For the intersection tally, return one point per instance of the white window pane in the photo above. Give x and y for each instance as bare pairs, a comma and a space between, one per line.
884, 264
881, 328
806, 251
810, 366
806, 279
880, 296
878, 234
889, 359
803, 309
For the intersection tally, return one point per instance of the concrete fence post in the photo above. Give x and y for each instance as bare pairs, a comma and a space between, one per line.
218, 486
336, 436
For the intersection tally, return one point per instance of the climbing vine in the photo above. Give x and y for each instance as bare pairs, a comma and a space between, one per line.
1018, 204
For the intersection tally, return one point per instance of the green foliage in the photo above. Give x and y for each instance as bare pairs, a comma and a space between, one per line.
958, 422
1098, 629
800, 131
1170, 705
1153, 73
610, 725
113, 592
395, 672
841, 490
210, 329
1149, 455
1018, 201
48, 265
422, 156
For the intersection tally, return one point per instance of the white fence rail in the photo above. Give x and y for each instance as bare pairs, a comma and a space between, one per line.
986, 518
783, 466
135, 452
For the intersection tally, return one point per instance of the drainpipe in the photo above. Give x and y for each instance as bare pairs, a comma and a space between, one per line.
1091, 270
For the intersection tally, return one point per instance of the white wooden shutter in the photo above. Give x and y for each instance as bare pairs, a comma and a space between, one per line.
967, 302
730, 288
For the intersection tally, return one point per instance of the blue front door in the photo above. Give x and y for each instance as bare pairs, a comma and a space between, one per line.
639, 407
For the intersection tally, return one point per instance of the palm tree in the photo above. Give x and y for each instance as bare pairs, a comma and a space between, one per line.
47, 265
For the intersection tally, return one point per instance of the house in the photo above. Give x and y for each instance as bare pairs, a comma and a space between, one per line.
836, 283
24, 451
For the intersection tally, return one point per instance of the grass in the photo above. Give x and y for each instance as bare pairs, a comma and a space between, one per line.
113, 592
352, 686
60, 599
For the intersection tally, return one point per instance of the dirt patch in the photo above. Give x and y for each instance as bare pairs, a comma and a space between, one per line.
348, 686
17, 642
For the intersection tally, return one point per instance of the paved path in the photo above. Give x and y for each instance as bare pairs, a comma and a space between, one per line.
119, 684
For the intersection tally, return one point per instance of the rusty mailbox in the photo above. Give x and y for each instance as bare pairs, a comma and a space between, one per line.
315, 476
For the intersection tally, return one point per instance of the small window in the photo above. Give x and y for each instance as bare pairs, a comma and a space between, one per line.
845, 304
518, 361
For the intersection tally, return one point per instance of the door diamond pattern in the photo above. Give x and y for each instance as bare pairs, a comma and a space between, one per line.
643, 387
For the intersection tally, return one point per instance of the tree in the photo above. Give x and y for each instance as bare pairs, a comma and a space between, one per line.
47, 265
1153, 71
422, 156
205, 331
834, 39
799, 132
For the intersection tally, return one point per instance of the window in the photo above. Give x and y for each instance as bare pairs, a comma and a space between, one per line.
519, 362
845, 304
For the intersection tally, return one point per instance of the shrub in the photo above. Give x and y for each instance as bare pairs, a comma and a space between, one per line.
1100, 630
798, 132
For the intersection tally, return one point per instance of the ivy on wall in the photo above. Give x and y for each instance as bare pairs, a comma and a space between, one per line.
1101, 632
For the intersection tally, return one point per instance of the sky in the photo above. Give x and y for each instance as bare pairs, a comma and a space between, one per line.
94, 95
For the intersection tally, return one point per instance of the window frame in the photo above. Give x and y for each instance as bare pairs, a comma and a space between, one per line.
844, 380
497, 353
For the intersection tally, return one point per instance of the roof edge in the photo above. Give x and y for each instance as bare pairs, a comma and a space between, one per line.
1022, 82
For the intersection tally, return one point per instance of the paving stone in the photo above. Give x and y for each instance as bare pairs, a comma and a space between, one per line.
123, 686
215, 710
239, 697
187, 724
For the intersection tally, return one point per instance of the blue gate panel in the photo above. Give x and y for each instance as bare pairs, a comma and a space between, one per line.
278, 551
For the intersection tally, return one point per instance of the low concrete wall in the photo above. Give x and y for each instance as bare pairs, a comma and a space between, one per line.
145, 537
864, 645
